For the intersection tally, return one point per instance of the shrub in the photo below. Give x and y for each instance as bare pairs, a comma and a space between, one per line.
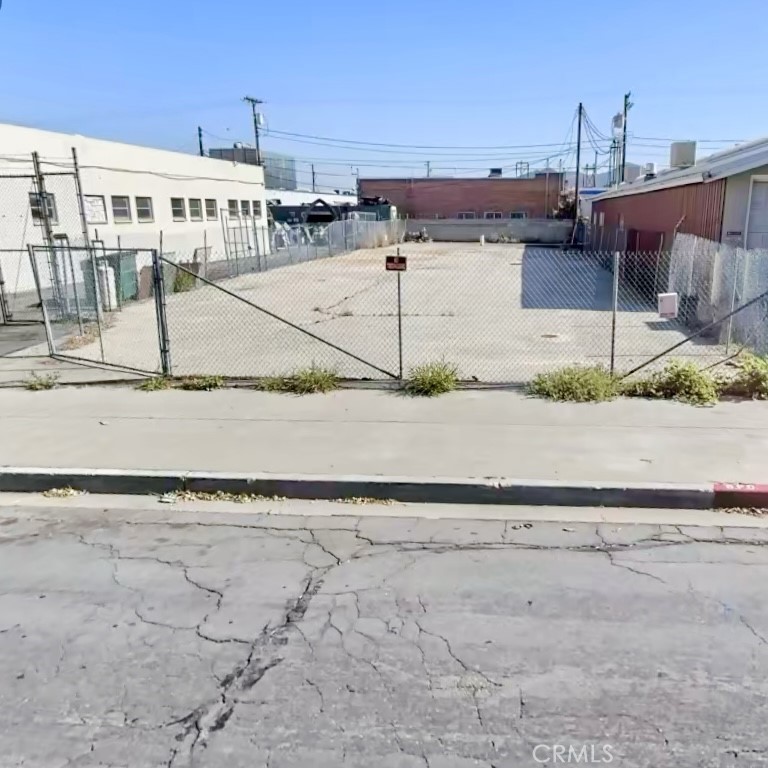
306, 381
678, 380
432, 379
751, 379
183, 281
577, 383
36, 382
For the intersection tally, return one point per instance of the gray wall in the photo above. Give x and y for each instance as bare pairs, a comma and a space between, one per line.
735, 207
548, 231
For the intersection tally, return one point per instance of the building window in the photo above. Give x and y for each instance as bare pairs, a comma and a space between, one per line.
233, 209
195, 209
35, 204
211, 209
257, 209
518, 215
245, 207
493, 214
621, 221
602, 218
144, 211
95, 209
178, 209
121, 209
466, 214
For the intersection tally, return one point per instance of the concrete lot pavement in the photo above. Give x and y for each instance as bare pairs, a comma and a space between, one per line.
464, 434
152, 637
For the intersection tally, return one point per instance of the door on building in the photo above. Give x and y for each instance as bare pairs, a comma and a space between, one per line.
757, 219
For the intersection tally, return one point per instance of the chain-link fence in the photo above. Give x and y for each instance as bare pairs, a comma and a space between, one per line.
715, 280
500, 313
289, 308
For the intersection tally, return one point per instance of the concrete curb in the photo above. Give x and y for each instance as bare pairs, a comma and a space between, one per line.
433, 490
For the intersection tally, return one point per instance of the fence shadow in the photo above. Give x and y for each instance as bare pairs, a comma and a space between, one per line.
575, 280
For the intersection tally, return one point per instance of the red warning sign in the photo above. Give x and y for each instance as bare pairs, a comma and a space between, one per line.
396, 263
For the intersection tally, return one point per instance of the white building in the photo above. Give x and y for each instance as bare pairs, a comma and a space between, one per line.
131, 195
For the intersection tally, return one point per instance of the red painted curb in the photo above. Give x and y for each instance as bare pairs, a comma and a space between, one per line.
740, 495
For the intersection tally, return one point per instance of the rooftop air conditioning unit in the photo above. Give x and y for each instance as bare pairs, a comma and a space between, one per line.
649, 169
494, 173
682, 154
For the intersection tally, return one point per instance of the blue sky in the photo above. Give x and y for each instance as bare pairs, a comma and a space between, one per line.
423, 72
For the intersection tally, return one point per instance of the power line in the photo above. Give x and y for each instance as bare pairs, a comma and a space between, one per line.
408, 146
355, 161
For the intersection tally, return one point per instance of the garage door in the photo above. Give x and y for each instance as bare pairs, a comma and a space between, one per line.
757, 226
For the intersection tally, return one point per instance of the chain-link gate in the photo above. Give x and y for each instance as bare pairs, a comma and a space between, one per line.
105, 299
40, 207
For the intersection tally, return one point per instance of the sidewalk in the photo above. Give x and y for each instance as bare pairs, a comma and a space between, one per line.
19, 368
476, 434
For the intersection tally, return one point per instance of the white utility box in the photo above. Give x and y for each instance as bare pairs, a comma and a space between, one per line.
668, 305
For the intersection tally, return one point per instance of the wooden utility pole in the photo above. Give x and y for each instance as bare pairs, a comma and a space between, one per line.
254, 103
578, 160
627, 106
200, 141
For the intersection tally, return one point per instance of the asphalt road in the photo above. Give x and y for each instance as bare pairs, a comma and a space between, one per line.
159, 638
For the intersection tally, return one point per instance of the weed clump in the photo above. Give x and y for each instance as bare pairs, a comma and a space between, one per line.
577, 384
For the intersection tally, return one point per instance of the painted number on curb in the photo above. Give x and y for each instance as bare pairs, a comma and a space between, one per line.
759, 487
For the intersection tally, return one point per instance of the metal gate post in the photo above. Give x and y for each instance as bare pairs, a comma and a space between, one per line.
5, 312
614, 308
158, 288
46, 320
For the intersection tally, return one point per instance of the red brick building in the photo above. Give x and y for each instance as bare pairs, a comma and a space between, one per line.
455, 198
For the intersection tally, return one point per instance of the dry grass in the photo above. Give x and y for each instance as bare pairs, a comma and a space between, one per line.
202, 383
306, 381
365, 500
89, 335
37, 382
63, 493
155, 384
238, 498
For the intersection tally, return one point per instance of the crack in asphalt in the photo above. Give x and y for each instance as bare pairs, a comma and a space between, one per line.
207, 719
262, 655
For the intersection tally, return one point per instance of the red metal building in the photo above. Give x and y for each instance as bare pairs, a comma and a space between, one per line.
723, 197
